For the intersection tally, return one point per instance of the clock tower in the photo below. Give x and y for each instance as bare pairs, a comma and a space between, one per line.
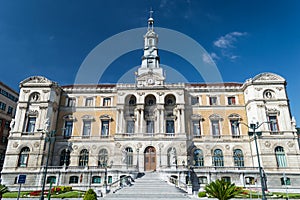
150, 73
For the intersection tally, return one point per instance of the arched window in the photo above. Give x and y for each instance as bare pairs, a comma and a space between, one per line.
65, 157
218, 160
198, 158
103, 158
84, 157
23, 157
238, 158
280, 157
129, 156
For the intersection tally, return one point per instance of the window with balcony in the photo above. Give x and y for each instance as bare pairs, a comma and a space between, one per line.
170, 126
238, 158
84, 157
65, 158
198, 158
196, 128
150, 126
68, 128
104, 128
31, 120
218, 159
215, 127
273, 123
234, 126
130, 126
87, 125
103, 158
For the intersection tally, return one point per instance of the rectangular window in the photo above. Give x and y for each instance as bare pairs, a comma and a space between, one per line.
4, 139
194, 100
71, 102
196, 128
130, 126
89, 102
273, 123
7, 123
150, 126
96, 179
215, 126
31, 124
68, 129
86, 128
250, 180
105, 128
231, 100
109, 179
10, 110
170, 126
235, 131
107, 101
213, 100
2, 106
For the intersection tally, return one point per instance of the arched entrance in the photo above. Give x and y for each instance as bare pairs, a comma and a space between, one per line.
150, 159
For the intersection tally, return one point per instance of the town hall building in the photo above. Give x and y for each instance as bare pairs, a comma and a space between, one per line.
90, 136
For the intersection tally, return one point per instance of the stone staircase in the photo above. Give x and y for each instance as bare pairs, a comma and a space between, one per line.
149, 186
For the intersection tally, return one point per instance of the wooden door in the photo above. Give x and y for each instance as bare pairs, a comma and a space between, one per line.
150, 159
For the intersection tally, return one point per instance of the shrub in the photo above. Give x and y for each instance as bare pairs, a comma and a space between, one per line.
202, 194
222, 190
90, 195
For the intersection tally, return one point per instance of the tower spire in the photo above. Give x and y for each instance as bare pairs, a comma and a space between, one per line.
150, 20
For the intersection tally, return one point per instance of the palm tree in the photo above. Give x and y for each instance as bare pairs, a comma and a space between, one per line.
3, 189
222, 189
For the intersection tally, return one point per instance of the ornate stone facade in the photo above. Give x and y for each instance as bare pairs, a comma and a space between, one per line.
186, 131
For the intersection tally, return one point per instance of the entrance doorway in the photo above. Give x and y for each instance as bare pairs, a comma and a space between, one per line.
150, 159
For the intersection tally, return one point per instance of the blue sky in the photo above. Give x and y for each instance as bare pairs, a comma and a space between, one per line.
245, 38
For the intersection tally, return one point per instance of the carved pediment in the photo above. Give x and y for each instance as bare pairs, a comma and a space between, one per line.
267, 77
36, 80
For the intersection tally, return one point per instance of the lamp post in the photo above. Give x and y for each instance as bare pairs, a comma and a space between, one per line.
48, 138
105, 174
255, 134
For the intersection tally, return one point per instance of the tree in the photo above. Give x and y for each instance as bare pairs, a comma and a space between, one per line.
3, 189
90, 195
222, 190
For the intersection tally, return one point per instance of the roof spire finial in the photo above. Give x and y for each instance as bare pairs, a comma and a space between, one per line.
150, 20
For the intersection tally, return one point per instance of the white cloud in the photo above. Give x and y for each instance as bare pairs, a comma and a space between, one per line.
210, 59
227, 40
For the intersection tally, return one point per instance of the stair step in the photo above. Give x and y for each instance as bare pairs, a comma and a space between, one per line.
149, 186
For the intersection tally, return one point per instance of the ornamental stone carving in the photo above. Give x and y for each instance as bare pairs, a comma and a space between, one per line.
15, 145
36, 145
290, 144
267, 144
